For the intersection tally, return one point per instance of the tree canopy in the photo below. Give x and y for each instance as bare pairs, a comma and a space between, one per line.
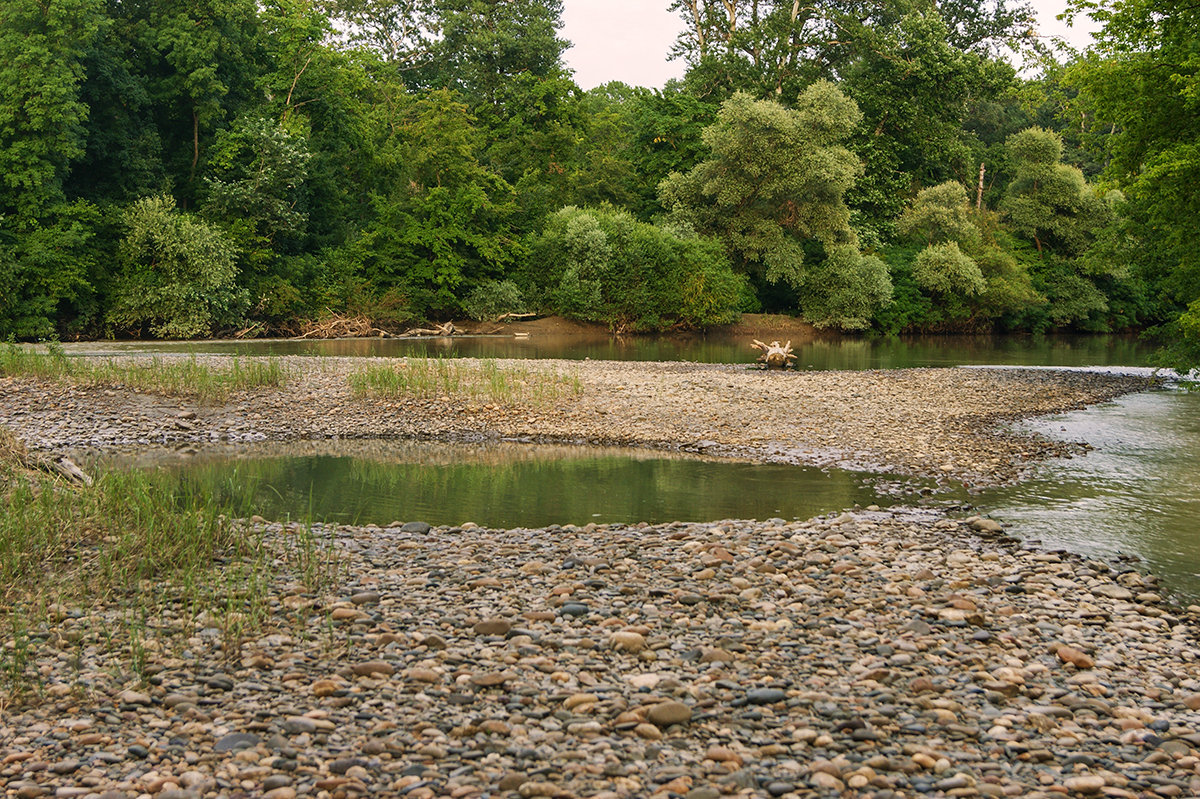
228, 165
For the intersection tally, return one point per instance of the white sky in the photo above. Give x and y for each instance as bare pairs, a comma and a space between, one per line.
628, 40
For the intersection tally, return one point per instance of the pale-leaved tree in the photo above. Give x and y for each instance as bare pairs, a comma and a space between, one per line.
774, 187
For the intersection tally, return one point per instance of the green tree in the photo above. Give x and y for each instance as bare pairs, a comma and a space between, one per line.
845, 290
1049, 202
45, 239
777, 47
443, 222
178, 275
666, 135
254, 189
941, 216
945, 269
201, 63
1140, 83
774, 186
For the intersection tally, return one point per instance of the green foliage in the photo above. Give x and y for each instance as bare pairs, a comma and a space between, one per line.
1009, 287
446, 222
177, 274
42, 45
47, 260
602, 265
915, 90
776, 178
255, 185
493, 299
1049, 202
1141, 84
845, 290
940, 214
1182, 352
397, 160
945, 269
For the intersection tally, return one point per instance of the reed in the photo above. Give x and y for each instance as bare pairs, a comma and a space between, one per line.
176, 377
144, 557
477, 381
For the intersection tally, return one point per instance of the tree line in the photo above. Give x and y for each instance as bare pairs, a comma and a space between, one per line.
183, 170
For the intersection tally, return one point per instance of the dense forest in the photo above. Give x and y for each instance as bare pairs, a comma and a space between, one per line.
187, 169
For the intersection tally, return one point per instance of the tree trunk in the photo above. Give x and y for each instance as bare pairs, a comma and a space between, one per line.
195, 141
979, 190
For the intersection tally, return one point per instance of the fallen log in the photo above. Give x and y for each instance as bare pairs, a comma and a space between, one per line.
774, 355
508, 317
59, 465
447, 329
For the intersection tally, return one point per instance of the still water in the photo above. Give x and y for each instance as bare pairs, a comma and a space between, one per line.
832, 353
503, 484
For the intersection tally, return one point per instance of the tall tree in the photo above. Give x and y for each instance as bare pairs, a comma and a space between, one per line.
779, 46
1142, 83
44, 238
774, 187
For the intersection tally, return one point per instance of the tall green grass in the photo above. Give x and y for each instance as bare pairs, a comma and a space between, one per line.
181, 377
483, 381
144, 555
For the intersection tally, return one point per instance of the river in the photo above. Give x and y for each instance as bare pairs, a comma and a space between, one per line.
1136, 494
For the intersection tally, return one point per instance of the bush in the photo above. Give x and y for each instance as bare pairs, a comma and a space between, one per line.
177, 274
945, 269
602, 265
845, 290
492, 299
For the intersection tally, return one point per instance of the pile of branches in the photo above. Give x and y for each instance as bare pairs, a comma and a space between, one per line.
342, 327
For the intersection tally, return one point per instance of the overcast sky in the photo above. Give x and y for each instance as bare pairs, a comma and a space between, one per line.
628, 40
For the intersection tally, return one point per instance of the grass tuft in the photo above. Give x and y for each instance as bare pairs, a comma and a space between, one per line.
176, 377
483, 381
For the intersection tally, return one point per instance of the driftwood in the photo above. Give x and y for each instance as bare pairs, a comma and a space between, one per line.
508, 317
447, 329
251, 331
342, 327
59, 465
774, 355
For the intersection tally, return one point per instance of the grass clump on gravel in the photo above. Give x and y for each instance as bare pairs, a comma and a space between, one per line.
479, 381
133, 565
177, 377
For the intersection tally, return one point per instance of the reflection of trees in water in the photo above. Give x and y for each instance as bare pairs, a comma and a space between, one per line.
822, 353
511, 484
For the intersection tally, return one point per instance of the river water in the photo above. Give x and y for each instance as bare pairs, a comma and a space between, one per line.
1136, 494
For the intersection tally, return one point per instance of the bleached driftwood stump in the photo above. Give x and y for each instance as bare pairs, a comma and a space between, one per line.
775, 356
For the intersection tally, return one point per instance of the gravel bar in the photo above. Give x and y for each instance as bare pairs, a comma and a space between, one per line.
870, 653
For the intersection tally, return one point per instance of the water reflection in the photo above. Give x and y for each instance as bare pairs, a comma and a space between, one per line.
1137, 493
507, 484
831, 353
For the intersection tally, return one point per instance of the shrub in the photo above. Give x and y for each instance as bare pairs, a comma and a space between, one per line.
602, 265
945, 269
177, 274
845, 290
492, 299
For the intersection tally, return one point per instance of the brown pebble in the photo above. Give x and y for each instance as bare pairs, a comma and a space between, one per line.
374, 668
665, 714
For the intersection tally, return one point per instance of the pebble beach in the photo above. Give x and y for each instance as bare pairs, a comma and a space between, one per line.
872, 653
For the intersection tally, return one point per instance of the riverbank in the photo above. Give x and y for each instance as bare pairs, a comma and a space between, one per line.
948, 424
868, 654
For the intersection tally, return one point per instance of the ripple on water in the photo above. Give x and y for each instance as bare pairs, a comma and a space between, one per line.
1137, 492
